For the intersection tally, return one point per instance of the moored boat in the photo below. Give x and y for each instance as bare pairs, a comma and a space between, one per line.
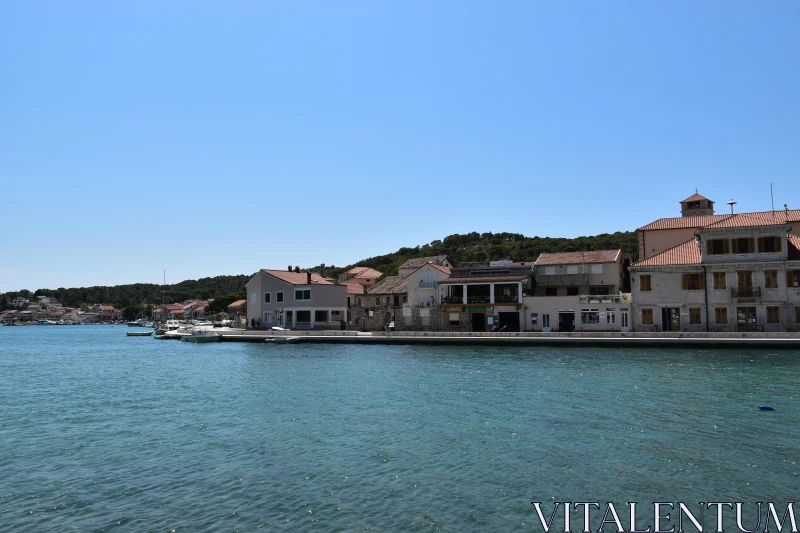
201, 335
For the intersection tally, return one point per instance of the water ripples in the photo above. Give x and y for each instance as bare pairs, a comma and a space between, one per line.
100, 432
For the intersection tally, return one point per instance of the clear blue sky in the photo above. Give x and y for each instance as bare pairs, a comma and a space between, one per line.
210, 138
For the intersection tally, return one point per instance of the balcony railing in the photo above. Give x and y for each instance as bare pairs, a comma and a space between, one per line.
544, 280
746, 292
452, 300
512, 299
600, 298
427, 284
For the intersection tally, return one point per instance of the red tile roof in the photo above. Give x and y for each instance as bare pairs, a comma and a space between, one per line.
687, 253
441, 268
793, 215
354, 288
695, 198
794, 248
369, 273
297, 278
743, 220
571, 258
236, 304
473, 279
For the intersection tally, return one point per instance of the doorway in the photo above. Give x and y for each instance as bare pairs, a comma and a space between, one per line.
510, 320
624, 321
746, 319
566, 320
478, 321
671, 318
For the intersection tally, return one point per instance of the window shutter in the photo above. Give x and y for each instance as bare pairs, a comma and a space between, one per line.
686, 282
709, 247
761, 245
734, 246
726, 246
789, 278
702, 281
751, 245
778, 244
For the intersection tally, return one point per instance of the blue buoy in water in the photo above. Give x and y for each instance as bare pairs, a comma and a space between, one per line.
766, 408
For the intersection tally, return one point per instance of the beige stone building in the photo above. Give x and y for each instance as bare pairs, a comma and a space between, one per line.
736, 273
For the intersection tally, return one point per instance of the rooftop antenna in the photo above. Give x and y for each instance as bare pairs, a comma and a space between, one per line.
773, 200
731, 203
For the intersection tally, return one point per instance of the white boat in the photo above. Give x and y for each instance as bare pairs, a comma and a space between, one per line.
201, 335
44, 322
138, 333
282, 340
173, 324
137, 323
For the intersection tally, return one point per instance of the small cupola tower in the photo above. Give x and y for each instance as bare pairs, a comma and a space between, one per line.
697, 205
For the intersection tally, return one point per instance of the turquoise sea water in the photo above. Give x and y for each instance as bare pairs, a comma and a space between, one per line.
101, 432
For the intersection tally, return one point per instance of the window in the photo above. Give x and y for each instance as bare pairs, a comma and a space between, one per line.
254, 297
611, 316
550, 271
720, 280
773, 315
771, 279
302, 294
279, 297
721, 315
743, 246
768, 245
590, 316
647, 316
454, 320
572, 269
320, 316
546, 320
572, 291
336, 314
268, 318
645, 284
694, 315
693, 282
551, 291
267, 297
597, 269
717, 246
793, 278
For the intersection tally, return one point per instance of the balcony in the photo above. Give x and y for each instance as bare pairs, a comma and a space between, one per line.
746, 292
427, 284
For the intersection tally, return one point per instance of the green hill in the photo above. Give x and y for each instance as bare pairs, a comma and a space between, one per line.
484, 247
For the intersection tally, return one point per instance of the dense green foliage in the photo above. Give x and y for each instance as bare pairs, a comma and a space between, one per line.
133, 296
464, 249
484, 247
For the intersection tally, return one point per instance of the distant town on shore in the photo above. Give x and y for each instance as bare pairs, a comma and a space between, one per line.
701, 271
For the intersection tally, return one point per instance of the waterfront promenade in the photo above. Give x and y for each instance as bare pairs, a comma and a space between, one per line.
631, 339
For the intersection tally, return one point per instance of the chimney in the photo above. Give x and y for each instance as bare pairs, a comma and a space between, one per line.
290, 268
297, 269
308, 278
322, 270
